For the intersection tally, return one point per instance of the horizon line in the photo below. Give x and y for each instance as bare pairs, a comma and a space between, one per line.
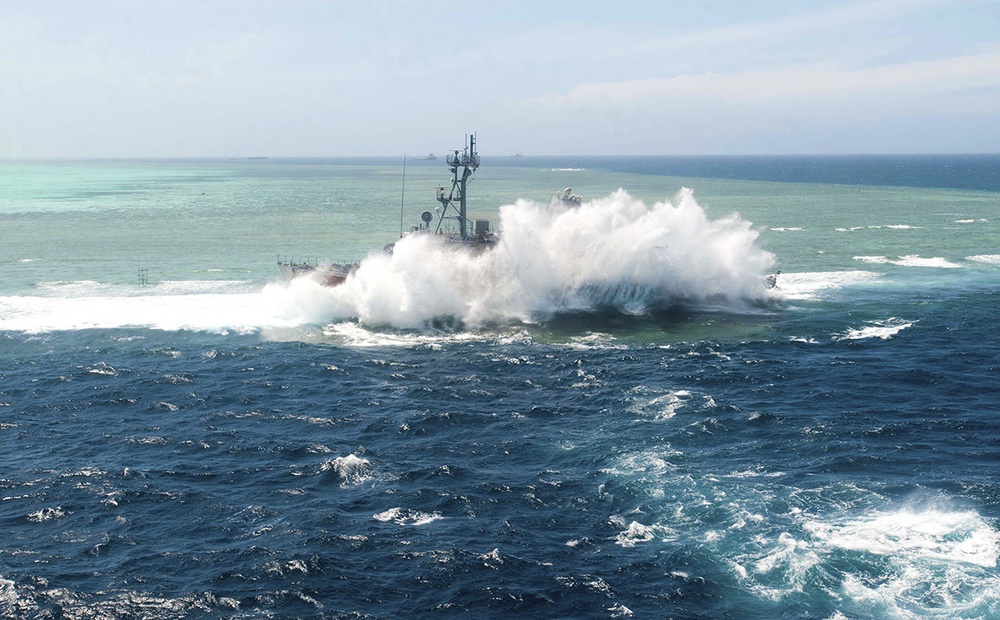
259, 158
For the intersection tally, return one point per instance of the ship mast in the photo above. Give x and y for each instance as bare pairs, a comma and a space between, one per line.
467, 160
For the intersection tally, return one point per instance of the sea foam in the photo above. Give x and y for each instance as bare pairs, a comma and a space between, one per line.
407, 517
351, 470
936, 562
812, 285
213, 312
614, 253
989, 259
877, 329
911, 260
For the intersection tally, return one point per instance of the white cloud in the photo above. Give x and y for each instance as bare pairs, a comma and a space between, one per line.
838, 16
365, 78
801, 82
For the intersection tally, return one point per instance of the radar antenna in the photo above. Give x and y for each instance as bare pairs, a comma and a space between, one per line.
466, 160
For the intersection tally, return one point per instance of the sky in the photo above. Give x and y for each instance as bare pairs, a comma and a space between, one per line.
285, 78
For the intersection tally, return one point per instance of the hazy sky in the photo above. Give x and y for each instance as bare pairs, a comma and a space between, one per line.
151, 78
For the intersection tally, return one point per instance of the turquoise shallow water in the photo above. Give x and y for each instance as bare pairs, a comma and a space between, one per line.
608, 417
96, 220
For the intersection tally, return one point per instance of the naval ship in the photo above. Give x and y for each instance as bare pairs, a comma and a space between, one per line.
475, 235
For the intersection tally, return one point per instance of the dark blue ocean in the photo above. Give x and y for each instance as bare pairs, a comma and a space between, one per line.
610, 416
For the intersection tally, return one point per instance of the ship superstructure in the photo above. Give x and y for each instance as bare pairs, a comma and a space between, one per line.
452, 227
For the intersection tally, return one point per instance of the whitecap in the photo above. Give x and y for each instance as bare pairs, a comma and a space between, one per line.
351, 469
36, 599
872, 259
876, 329
620, 611
86, 472
46, 514
910, 260
657, 404
803, 340
649, 463
634, 534
879, 227
102, 368
351, 334
936, 561
811, 285
913, 260
404, 516
989, 259
90, 309
907, 534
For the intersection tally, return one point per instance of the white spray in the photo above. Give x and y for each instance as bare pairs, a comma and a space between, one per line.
612, 253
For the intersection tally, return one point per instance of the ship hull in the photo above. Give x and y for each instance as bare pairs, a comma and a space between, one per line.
333, 274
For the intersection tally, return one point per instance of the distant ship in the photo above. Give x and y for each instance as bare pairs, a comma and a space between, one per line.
478, 237
430, 157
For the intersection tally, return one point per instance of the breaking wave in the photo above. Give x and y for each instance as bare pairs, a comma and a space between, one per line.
351, 470
925, 558
989, 259
877, 329
195, 305
911, 260
813, 285
405, 516
614, 253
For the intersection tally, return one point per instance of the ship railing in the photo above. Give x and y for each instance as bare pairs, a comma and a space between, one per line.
463, 159
313, 261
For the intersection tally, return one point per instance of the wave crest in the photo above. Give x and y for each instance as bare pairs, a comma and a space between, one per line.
613, 253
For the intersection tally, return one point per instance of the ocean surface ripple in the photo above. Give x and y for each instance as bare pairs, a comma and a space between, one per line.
222, 445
